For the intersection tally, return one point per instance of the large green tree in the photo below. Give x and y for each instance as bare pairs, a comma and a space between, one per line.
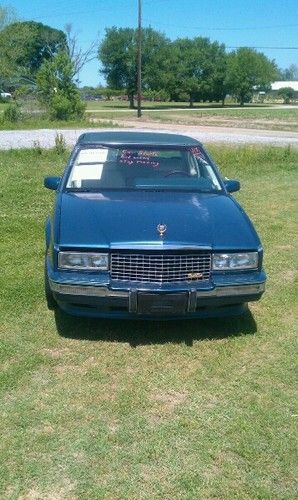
247, 71
199, 68
118, 55
25, 46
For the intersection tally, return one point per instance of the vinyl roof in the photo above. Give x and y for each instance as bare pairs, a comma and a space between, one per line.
143, 138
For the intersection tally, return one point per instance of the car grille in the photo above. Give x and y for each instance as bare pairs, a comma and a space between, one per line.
160, 268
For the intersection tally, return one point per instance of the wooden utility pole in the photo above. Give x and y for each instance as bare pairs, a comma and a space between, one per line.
139, 59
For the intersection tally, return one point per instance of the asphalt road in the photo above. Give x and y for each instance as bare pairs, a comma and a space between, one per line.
17, 139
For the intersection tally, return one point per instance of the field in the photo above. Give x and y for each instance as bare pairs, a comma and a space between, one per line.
100, 114
108, 409
253, 117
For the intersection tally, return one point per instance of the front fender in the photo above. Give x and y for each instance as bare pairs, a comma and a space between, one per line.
48, 230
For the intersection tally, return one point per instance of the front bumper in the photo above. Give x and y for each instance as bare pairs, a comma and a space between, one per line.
223, 295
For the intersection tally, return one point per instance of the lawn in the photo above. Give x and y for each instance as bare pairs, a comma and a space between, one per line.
110, 409
268, 118
100, 114
33, 122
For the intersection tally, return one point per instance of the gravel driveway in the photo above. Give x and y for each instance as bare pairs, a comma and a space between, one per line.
46, 137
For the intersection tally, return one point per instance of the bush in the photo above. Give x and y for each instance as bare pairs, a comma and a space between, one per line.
62, 107
57, 90
287, 93
12, 113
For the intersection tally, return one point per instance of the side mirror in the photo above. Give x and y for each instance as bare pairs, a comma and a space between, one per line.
52, 182
232, 185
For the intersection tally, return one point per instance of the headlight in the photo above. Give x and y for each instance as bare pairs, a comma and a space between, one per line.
83, 261
231, 261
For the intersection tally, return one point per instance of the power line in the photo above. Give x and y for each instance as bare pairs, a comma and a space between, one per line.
202, 27
267, 48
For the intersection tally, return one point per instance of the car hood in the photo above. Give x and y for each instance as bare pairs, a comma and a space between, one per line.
113, 219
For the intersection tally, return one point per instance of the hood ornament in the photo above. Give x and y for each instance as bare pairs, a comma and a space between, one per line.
161, 228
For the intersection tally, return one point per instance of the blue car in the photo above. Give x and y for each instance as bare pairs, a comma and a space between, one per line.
145, 227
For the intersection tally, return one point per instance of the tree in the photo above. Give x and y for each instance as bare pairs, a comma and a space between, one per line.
248, 70
200, 67
118, 54
56, 88
290, 73
78, 56
7, 16
287, 93
25, 46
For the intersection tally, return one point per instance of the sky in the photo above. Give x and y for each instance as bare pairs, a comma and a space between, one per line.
271, 26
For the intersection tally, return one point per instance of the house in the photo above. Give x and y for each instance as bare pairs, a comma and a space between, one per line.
276, 86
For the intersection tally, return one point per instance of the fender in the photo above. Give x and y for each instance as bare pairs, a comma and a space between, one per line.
48, 229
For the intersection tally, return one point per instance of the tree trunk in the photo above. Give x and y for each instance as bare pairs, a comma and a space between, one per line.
131, 101
223, 101
191, 102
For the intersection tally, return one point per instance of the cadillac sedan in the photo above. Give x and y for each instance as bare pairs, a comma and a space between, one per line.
144, 226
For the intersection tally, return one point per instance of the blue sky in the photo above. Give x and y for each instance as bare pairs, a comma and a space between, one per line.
254, 23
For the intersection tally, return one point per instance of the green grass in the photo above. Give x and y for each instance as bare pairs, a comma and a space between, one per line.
268, 118
39, 122
99, 105
262, 118
100, 114
3, 105
248, 117
113, 409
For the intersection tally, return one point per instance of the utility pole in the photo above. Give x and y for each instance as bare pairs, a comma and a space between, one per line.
139, 59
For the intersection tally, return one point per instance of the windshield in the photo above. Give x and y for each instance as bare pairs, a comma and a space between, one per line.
97, 168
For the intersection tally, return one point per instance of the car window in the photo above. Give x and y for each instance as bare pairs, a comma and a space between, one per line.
142, 168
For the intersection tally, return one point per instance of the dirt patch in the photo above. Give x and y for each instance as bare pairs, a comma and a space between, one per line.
165, 405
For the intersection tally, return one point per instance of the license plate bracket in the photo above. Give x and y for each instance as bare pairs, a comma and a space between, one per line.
162, 304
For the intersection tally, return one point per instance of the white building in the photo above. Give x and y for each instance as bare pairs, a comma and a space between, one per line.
280, 85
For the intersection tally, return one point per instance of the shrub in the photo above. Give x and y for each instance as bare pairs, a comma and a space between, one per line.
287, 93
12, 113
64, 107
57, 90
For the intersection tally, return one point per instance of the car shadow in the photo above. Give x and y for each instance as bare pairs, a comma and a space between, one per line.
138, 332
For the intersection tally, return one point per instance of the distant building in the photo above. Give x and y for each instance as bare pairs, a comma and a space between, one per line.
272, 95
5, 95
281, 84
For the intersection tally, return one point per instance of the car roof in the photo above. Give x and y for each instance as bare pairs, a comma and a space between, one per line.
133, 138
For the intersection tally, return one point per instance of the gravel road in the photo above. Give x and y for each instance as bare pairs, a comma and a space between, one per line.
46, 137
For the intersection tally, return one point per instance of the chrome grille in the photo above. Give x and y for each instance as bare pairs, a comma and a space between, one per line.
160, 268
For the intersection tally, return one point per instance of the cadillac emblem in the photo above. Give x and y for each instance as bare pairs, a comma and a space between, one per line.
161, 228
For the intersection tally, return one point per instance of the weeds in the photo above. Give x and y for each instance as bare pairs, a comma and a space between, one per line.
60, 144
12, 113
37, 147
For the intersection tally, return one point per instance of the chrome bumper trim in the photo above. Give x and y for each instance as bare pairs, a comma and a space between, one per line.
99, 291
226, 291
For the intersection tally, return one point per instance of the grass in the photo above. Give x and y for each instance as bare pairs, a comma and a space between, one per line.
109, 409
101, 114
248, 117
114, 104
38, 122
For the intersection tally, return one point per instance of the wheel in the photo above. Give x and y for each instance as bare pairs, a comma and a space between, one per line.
51, 302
